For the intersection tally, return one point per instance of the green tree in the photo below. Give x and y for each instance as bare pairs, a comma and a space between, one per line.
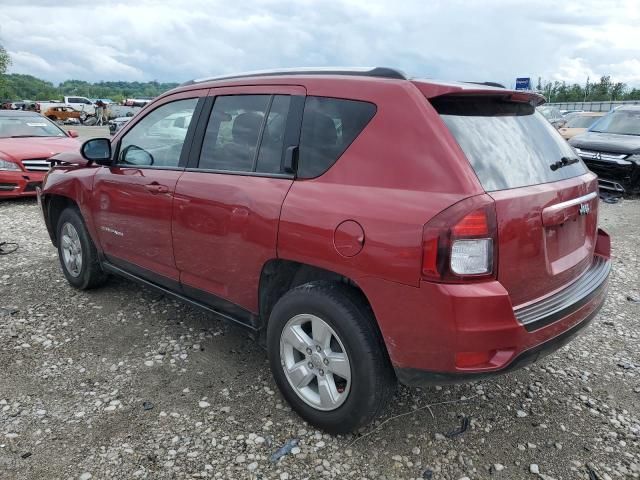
5, 61
27, 87
604, 89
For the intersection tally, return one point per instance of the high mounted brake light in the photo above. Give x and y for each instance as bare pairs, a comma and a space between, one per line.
460, 243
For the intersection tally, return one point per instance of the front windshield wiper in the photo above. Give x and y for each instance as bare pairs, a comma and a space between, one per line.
563, 162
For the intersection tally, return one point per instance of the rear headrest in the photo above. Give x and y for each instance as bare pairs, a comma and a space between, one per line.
320, 128
246, 128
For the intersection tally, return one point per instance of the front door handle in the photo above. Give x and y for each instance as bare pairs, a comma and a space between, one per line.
156, 188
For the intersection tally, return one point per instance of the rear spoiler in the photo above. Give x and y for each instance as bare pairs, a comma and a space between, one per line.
433, 90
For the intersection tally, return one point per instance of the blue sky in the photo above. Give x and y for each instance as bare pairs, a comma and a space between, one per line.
475, 40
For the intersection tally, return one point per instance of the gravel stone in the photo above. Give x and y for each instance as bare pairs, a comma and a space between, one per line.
78, 367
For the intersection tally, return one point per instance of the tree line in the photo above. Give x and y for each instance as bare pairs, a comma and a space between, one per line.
592, 91
17, 86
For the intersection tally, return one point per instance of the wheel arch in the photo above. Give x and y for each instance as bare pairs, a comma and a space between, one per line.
53, 206
279, 276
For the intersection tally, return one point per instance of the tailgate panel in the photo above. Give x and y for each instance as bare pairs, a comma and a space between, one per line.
544, 241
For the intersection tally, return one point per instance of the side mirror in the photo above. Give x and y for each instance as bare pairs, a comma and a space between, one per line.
72, 133
97, 150
134, 155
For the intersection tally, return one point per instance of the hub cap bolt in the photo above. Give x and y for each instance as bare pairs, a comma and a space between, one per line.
311, 365
309, 351
321, 372
318, 349
326, 361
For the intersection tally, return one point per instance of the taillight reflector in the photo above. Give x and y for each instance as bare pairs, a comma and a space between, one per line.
430, 257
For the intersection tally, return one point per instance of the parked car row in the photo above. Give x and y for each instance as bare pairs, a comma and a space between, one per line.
611, 148
578, 122
609, 143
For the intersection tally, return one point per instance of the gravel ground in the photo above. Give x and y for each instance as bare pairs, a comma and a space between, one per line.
123, 383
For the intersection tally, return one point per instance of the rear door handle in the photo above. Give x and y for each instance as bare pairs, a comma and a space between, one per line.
156, 188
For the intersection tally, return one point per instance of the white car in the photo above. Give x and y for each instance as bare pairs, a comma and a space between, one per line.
117, 123
81, 104
174, 126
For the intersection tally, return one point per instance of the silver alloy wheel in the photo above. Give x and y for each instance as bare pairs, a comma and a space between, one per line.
71, 249
315, 362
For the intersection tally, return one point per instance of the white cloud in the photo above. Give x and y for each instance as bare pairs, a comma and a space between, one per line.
458, 40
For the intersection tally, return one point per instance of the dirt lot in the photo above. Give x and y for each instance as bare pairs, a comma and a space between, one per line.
123, 383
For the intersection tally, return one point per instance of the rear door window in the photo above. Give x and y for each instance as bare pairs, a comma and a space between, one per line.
508, 144
246, 133
329, 126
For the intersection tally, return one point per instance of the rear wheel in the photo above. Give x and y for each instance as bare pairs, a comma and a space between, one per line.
77, 253
327, 357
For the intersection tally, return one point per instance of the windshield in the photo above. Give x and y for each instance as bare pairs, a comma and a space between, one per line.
550, 113
28, 126
581, 121
508, 144
621, 122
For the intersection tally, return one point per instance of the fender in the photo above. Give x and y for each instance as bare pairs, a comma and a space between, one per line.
72, 180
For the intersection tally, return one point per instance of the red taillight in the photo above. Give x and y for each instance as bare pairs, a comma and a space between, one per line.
472, 225
460, 243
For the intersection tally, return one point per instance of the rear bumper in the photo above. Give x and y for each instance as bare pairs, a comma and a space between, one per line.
19, 184
442, 333
413, 377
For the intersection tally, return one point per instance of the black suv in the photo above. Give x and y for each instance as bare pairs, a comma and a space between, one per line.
611, 149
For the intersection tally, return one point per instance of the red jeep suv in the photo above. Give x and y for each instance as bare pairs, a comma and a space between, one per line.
365, 227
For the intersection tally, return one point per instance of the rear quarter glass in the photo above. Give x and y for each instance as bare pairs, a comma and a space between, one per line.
508, 144
329, 126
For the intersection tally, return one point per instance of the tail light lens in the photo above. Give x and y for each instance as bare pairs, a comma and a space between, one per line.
460, 243
472, 257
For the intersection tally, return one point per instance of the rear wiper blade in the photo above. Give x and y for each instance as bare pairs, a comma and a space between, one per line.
563, 162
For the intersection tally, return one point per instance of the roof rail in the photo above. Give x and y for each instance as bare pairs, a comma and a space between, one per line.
378, 72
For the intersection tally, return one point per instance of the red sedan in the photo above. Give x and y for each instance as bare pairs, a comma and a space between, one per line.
27, 139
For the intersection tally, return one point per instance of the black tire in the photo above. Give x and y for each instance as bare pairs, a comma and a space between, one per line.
90, 273
373, 380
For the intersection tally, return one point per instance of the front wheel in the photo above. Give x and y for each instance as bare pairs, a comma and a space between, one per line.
77, 253
327, 356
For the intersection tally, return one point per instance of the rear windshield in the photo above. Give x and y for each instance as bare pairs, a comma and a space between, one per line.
508, 144
581, 121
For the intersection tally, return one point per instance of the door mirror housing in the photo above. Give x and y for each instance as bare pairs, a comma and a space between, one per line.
97, 150
72, 133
